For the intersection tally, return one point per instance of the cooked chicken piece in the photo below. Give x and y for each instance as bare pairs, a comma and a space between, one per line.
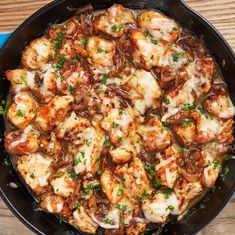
71, 48
22, 110
127, 210
211, 170
175, 57
62, 183
220, 106
135, 228
74, 129
37, 54
100, 51
146, 51
186, 192
83, 221
175, 100
118, 123
143, 90
123, 153
160, 206
111, 186
55, 204
226, 132
155, 137
207, 126
48, 88
201, 72
75, 80
134, 178
22, 142
185, 131
159, 26
68, 28
191, 164
110, 220
166, 168
103, 102
87, 155
50, 145
35, 169
20, 79
114, 21
200, 75
51, 114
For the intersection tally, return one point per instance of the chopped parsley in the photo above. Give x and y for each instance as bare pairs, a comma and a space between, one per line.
32, 176
156, 182
107, 221
99, 172
150, 168
61, 62
24, 80
145, 33
166, 101
187, 106
122, 207
2, 109
118, 27
225, 172
71, 89
120, 111
92, 186
83, 154
100, 50
83, 41
114, 28
120, 192
77, 161
170, 207
106, 142
165, 128
60, 218
72, 174
177, 56
78, 205
174, 29
62, 79
115, 125
216, 163
104, 79
58, 41
154, 41
143, 196
88, 142
20, 113
182, 149
167, 192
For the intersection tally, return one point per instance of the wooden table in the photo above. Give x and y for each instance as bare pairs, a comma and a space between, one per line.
221, 13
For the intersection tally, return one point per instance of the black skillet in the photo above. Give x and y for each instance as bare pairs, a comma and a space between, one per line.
20, 202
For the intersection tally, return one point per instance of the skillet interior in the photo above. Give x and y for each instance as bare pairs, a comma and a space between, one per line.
20, 201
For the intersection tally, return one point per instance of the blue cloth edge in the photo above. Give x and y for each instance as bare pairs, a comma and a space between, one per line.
3, 38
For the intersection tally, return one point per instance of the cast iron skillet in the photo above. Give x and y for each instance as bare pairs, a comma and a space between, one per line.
21, 203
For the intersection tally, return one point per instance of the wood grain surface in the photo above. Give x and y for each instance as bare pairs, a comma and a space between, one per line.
221, 13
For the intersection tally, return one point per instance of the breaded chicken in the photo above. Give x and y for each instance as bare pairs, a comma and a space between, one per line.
51, 114
114, 21
35, 170
22, 110
37, 54
159, 26
22, 142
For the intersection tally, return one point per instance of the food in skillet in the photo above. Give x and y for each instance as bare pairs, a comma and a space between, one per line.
118, 120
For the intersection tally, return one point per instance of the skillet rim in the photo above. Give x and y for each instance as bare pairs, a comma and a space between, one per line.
202, 20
